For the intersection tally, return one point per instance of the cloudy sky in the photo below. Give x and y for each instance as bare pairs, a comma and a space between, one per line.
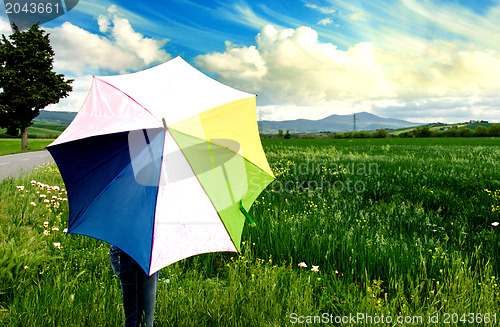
419, 60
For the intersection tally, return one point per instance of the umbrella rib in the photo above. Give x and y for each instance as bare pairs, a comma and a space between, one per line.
120, 173
103, 162
129, 98
156, 198
222, 146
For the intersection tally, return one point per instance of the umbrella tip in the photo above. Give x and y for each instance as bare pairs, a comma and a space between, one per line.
165, 127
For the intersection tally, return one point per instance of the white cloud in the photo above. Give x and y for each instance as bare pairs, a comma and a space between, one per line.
359, 16
104, 23
293, 66
80, 54
5, 28
324, 10
442, 69
242, 13
146, 49
325, 21
120, 50
79, 51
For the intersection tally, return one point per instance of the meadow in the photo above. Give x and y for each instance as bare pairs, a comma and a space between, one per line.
352, 232
40, 130
12, 145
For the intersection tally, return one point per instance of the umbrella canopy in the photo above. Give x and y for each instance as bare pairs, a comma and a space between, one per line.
163, 163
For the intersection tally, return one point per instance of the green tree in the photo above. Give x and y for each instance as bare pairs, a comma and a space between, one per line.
422, 131
494, 130
465, 132
381, 133
361, 135
481, 131
27, 82
451, 133
348, 135
280, 133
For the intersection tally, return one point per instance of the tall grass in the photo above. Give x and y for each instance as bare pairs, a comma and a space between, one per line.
413, 238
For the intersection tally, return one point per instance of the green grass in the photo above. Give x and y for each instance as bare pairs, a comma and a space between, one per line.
376, 144
12, 146
46, 130
39, 136
414, 239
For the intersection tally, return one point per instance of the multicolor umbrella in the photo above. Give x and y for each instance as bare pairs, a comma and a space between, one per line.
163, 163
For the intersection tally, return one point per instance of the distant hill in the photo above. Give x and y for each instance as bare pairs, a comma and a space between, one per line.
335, 123
442, 127
55, 117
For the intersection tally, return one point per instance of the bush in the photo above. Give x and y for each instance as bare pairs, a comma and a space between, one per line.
481, 131
381, 133
494, 130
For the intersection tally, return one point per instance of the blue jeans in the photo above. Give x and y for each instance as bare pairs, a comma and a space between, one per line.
138, 289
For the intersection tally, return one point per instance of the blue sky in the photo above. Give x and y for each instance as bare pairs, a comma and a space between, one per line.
419, 60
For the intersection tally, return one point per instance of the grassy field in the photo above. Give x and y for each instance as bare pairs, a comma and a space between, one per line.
46, 130
399, 229
12, 146
38, 134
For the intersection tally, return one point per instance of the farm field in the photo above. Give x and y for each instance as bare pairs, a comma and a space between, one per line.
351, 232
43, 130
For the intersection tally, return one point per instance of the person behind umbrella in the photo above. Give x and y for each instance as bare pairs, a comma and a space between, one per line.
138, 289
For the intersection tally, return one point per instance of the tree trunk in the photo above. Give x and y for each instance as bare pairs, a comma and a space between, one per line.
24, 137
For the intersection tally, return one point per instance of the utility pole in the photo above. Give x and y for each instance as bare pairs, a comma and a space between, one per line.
354, 123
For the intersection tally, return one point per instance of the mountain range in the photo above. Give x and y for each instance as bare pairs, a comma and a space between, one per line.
334, 123
56, 117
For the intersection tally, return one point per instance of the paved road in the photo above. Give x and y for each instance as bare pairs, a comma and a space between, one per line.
15, 164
